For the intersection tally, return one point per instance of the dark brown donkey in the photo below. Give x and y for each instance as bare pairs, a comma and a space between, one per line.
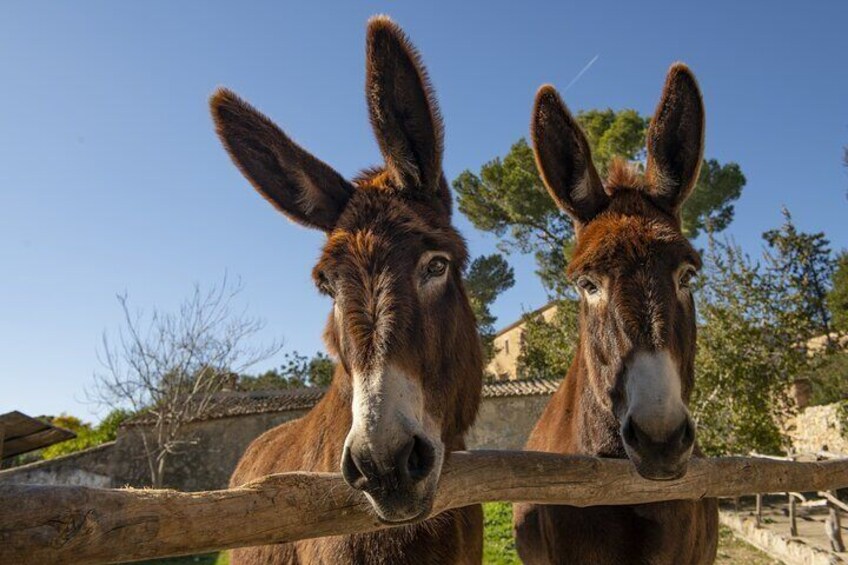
626, 393
409, 377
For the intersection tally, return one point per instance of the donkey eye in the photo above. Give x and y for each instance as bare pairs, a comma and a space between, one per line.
436, 267
325, 286
588, 285
686, 277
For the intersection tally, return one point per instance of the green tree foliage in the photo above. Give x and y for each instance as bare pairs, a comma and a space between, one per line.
614, 134
487, 277
508, 198
830, 378
743, 368
755, 318
838, 296
803, 266
710, 206
297, 371
548, 346
87, 434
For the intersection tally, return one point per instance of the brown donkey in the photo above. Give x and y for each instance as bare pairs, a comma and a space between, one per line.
627, 391
409, 377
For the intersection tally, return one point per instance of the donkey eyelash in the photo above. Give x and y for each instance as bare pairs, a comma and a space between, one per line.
325, 286
436, 267
587, 285
687, 275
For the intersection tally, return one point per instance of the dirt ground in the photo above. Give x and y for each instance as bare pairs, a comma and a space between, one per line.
810, 521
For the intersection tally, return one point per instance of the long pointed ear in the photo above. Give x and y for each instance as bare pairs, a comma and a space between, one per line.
564, 159
676, 139
302, 187
403, 109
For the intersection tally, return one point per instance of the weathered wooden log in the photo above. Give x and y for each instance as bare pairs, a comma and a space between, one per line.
54, 524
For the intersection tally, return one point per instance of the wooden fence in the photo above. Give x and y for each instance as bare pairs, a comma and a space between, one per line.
833, 524
64, 524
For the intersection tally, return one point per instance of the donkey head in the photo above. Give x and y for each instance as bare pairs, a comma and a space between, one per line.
632, 267
401, 325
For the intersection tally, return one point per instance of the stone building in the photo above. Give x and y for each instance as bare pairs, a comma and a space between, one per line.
508, 343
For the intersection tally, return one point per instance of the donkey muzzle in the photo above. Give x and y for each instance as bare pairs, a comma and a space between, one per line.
399, 483
659, 459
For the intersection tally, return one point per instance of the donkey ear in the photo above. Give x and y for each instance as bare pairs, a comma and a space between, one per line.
676, 139
564, 159
302, 187
403, 109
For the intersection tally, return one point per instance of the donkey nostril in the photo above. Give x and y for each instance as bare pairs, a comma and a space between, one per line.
628, 432
688, 437
351, 472
421, 458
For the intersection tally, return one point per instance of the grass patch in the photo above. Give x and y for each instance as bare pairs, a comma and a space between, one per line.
498, 543
222, 558
732, 550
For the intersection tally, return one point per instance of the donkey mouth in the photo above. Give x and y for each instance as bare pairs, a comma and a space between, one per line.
662, 474
395, 514
659, 470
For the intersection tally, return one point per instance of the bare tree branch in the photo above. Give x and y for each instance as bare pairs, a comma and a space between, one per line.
172, 364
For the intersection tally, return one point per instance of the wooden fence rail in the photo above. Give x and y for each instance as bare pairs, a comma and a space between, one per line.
58, 524
832, 526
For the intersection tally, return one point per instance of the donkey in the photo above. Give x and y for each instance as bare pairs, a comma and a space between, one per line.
409, 377
626, 393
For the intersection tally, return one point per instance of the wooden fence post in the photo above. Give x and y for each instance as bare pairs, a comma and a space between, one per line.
793, 524
833, 525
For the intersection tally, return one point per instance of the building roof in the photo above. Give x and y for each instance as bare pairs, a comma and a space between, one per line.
524, 316
20, 433
229, 404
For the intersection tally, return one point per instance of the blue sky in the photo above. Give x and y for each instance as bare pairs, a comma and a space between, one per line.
112, 179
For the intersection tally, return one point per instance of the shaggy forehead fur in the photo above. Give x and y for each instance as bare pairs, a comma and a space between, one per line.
372, 259
376, 220
632, 231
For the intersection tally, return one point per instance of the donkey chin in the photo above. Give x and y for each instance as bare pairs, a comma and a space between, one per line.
393, 452
657, 430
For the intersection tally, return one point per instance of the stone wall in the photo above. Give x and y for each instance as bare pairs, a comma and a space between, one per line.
215, 446
206, 461
505, 422
819, 428
90, 467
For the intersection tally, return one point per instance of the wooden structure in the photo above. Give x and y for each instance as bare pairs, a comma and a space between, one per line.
20, 433
63, 524
829, 498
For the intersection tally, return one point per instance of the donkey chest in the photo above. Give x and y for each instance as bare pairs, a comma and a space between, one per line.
661, 533
451, 538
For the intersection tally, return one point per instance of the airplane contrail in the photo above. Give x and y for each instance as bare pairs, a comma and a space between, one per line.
583, 70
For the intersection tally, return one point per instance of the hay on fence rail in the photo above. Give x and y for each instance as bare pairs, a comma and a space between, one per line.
58, 524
